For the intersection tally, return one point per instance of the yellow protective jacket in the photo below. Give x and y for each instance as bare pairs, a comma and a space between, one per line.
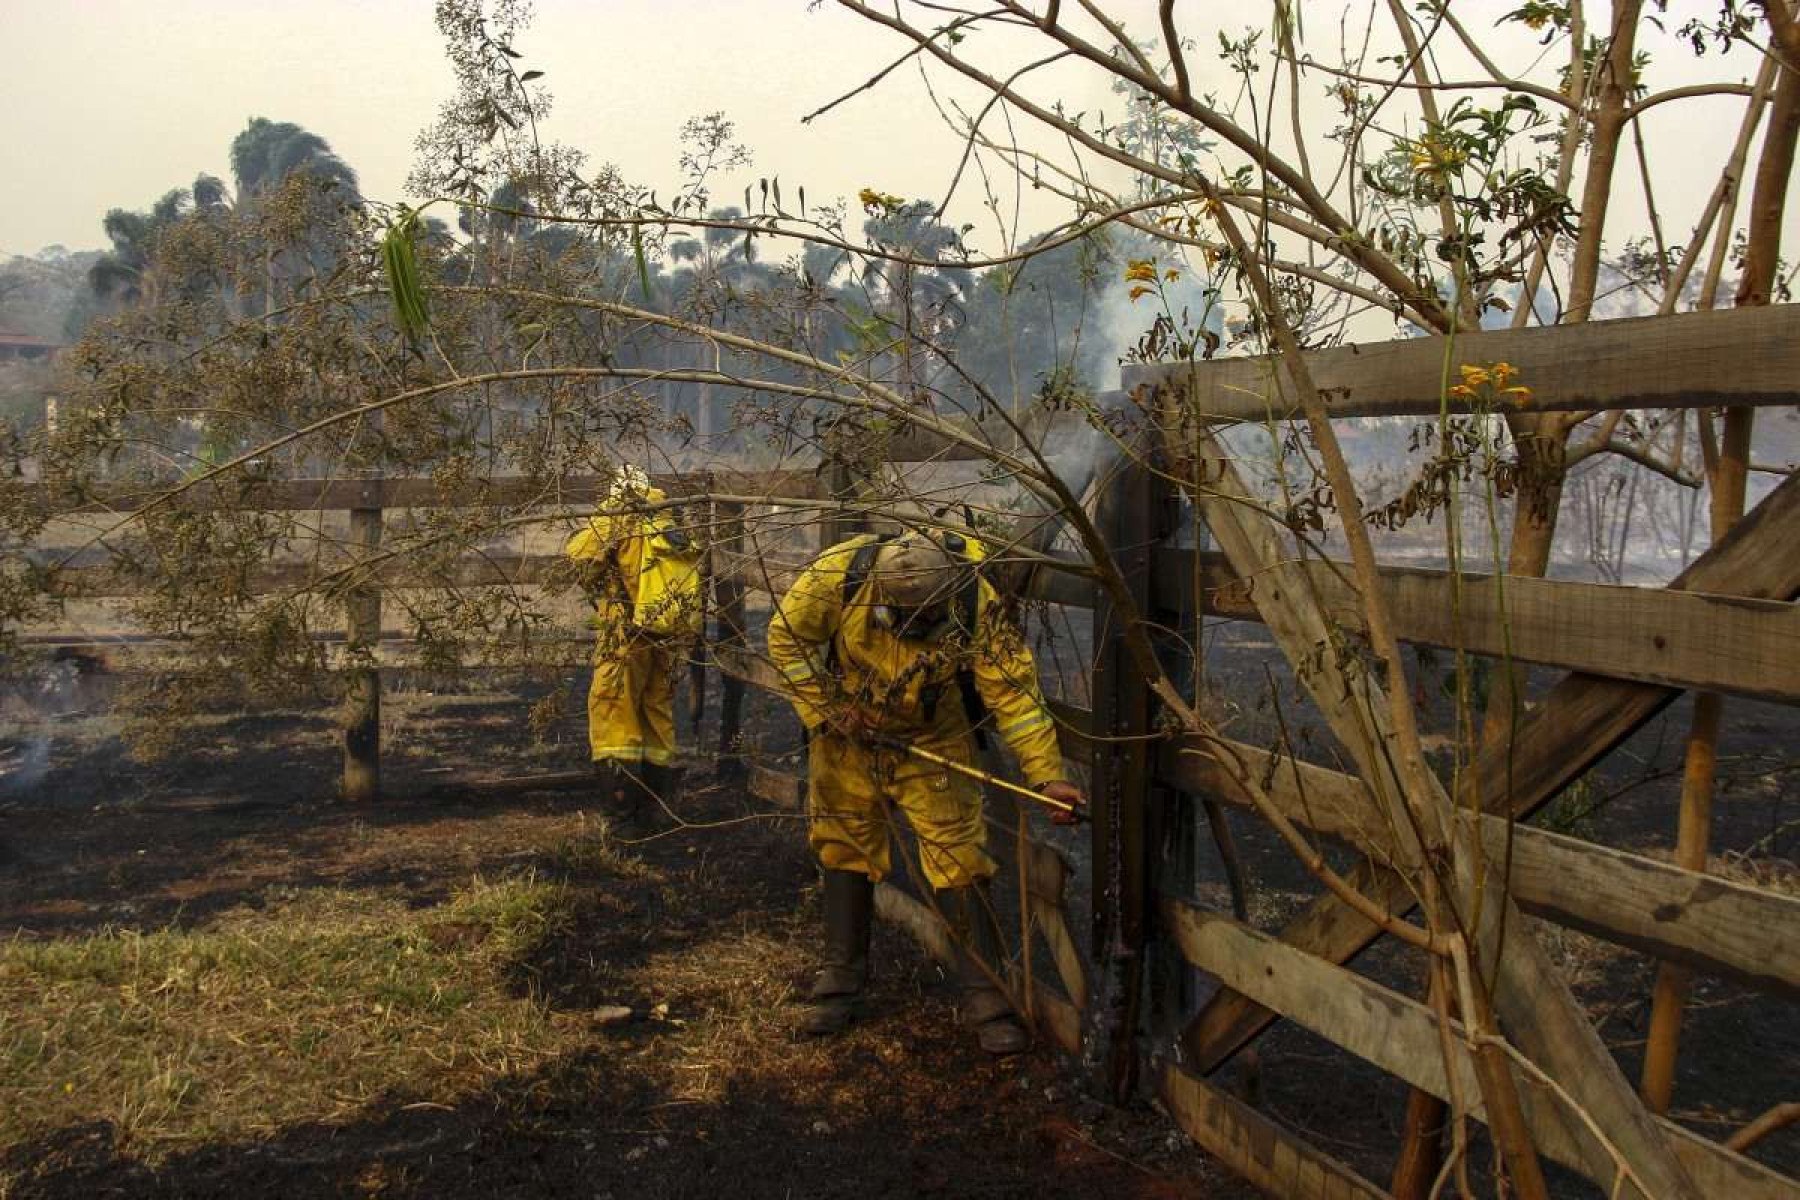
831, 654
615, 538
631, 703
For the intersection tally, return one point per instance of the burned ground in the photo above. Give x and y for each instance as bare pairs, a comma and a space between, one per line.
443, 1018
146, 900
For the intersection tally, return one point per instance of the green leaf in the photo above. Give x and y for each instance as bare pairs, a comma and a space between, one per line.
528, 76
643, 265
399, 256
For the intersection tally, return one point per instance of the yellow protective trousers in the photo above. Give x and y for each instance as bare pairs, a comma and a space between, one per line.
855, 788
631, 704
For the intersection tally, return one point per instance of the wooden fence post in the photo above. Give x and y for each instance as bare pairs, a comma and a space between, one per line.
1121, 782
840, 484
728, 594
1173, 817
1693, 834
362, 700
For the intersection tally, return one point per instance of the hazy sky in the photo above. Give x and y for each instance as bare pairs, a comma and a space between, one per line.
108, 103
113, 102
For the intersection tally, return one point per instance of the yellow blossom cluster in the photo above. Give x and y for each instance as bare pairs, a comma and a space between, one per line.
1143, 272
1496, 379
879, 202
1432, 157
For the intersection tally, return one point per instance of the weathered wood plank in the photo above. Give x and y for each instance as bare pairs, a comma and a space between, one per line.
732, 627
239, 493
1054, 1016
1645, 362
1578, 723
783, 789
1400, 1036
1119, 794
1057, 1017
1685, 639
1709, 923
751, 667
1046, 886
338, 572
1533, 1002
101, 580
769, 575
361, 713
1263, 1153
1664, 910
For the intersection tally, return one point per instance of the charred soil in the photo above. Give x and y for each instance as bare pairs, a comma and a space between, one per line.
223, 982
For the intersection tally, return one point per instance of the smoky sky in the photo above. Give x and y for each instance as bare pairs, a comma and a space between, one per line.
109, 103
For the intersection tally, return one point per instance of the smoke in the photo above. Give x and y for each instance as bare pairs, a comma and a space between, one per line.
29, 708
23, 764
1191, 301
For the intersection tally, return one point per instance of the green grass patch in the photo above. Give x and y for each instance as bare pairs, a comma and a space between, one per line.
307, 1009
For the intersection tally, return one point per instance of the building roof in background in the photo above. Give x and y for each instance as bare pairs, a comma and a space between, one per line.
9, 337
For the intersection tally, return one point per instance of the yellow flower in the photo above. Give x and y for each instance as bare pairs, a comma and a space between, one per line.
1537, 20
1463, 392
1140, 291
1503, 371
1474, 377
1140, 270
876, 201
1171, 275
1432, 157
1519, 395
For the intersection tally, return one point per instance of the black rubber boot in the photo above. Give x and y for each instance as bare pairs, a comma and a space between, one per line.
661, 789
621, 796
970, 912
837, 990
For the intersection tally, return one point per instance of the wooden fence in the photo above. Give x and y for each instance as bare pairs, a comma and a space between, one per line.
1727, 624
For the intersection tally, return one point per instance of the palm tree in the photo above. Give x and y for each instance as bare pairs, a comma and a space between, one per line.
126, 272
269, 153
923, 303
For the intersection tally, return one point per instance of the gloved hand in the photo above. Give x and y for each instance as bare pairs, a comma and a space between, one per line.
1064, 792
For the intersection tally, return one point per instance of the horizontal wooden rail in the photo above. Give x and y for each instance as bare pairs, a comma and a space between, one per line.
1736, 356
97, 578
1400, 1036
1684, 639
1712, 924
1057, 1016
400, 573
241, 493
1273, 1160
395, 574
1572, 727
919, 445
1650, 635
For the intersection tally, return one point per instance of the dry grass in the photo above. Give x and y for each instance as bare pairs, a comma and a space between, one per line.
305, 1010
328, 1005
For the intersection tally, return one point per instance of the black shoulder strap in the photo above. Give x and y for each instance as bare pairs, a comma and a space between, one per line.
968, 605
861, 564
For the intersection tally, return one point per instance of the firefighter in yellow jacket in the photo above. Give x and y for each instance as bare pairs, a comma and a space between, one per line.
630, 704
885, 643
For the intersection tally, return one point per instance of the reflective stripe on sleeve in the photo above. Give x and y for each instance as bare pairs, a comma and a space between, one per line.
1027, 723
